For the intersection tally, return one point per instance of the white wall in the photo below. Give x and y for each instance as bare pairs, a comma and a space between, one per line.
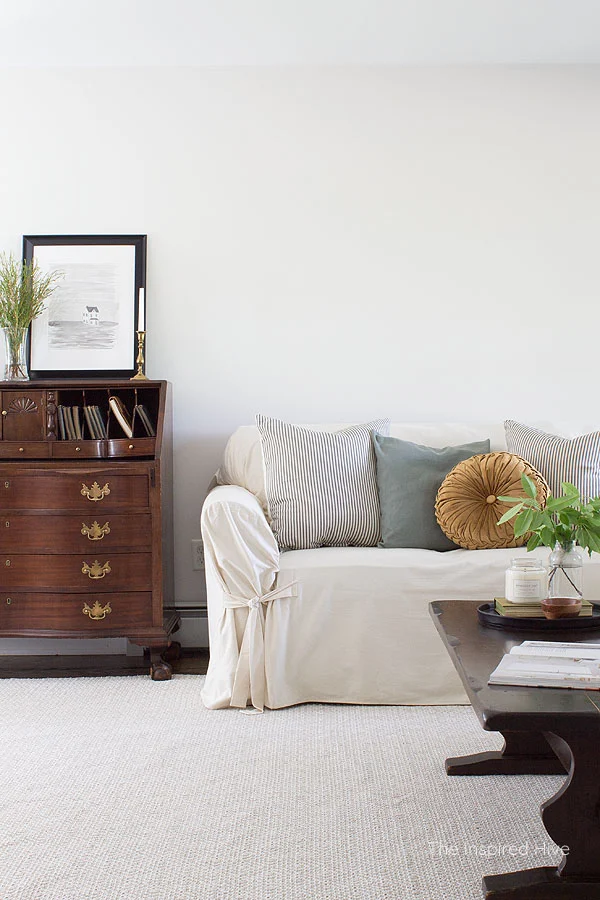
329, 244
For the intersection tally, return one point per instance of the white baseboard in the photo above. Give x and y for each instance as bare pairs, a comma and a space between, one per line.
194, 628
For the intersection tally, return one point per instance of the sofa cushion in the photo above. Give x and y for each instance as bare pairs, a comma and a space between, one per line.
243, 463
381, 596
467, 506
321, 485
576, 460
408, 478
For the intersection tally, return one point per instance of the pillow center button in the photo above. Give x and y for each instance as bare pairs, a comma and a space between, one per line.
490, 498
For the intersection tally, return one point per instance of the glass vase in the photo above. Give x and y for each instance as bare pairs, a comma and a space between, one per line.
15, 350
565, 572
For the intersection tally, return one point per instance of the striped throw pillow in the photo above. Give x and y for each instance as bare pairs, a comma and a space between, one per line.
321, 485
576, 460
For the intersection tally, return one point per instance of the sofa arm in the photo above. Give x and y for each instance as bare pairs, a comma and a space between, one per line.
235, 530
242, 562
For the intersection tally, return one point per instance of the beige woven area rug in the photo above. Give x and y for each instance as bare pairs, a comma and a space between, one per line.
128, 789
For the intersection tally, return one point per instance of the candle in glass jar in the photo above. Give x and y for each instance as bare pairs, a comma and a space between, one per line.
526, 580
141, 311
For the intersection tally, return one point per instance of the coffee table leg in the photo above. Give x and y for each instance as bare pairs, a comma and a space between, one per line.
572, 819
523, 754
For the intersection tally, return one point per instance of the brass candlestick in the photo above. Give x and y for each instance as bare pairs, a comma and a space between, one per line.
139, 375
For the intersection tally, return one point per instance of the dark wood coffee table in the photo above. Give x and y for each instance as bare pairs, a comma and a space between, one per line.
546, 731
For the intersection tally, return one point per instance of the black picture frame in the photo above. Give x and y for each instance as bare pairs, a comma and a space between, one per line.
112, 266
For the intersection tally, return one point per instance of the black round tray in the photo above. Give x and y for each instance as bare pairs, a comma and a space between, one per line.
487, 615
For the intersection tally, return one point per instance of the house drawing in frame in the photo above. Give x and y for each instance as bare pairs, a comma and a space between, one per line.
91, 315
88, 327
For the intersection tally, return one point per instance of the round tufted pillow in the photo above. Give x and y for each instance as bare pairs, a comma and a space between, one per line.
467, 506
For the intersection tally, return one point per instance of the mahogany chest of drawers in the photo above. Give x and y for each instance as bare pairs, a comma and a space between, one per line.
86, 517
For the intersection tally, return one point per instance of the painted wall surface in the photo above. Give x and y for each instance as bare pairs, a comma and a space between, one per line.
329, 244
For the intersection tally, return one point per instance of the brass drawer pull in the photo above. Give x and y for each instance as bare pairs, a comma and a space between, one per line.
97, 611
8, 601
7, 563
95, 493
95, 532
96, 571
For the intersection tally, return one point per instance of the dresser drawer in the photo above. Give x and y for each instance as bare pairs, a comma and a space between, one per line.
94, 613
24, 450
89, 491
78, 449
93, 571
132, 447
87, 534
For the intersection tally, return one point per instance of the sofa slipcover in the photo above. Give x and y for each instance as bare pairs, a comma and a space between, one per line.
334, 624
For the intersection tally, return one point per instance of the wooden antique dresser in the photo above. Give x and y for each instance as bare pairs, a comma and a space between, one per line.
86, 538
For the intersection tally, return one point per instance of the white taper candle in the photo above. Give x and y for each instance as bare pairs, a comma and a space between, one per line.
141, 311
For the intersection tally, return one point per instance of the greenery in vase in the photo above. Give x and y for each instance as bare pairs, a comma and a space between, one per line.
24, 289
563, 520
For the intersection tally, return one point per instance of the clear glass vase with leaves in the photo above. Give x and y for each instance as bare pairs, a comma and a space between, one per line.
564, 524
24, 289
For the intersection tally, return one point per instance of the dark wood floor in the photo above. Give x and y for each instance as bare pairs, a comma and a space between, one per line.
191, 662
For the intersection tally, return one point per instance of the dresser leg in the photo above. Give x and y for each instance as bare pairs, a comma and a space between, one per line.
160, 670
159, 650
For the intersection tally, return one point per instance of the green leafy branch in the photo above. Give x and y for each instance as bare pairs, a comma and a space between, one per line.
564, 520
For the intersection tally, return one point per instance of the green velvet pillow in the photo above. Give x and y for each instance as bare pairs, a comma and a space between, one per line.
408, 479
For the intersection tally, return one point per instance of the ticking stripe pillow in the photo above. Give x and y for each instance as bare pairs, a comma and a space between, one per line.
576, 460
321, 485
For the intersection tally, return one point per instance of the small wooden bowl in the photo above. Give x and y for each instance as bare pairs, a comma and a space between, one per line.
561, 607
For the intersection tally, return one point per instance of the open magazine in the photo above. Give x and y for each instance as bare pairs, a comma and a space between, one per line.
550, 664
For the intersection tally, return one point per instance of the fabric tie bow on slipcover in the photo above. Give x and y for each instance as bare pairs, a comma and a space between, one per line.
242, 557
250, 672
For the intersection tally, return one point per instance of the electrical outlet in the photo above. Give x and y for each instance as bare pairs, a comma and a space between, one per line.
197, 555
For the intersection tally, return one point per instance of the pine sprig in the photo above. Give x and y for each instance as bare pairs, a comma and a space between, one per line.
24, 289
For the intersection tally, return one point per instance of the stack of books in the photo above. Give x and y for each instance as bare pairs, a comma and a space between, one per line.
532, 609
70, 423
125, 420
550, 664
95, 423
142, 413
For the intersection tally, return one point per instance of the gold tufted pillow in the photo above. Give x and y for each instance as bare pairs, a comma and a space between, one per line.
467, 508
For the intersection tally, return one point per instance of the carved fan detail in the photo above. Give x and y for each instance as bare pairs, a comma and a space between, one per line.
23, 405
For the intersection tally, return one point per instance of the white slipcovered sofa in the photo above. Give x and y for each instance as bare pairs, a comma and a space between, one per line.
335, 624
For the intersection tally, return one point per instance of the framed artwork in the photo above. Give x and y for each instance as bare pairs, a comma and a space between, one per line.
88, 328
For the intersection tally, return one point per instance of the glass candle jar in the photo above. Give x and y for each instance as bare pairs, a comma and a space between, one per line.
526, 580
